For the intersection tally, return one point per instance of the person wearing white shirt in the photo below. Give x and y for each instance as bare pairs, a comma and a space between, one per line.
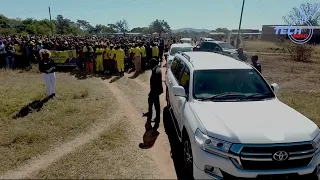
2, 55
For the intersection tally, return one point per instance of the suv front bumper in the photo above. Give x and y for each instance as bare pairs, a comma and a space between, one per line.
225, 165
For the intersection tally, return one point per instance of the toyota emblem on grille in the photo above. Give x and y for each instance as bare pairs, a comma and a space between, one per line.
280, 156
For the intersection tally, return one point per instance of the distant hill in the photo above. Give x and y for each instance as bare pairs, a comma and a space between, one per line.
190, 29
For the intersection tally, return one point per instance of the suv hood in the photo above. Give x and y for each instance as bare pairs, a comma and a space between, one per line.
256, 122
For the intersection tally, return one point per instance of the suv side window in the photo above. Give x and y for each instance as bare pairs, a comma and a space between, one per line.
204, 45
184, 82
216, 47
179, 70
174, 64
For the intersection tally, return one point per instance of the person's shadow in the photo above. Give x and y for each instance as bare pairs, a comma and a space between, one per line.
115, 79
175, 144
149, 137
135, 75
34, 106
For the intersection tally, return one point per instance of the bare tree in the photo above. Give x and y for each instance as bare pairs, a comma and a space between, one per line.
306, 12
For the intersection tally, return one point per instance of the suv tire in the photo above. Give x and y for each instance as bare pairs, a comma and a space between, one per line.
167, 97
187, 156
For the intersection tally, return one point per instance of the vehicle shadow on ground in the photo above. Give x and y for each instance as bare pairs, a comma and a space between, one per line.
175, 145
34, 106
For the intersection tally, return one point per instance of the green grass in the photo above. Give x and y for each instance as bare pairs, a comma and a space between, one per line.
79, 104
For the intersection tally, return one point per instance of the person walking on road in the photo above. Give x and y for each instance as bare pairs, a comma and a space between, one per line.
156, 90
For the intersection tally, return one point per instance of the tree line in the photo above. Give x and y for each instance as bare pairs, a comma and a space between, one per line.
64, 26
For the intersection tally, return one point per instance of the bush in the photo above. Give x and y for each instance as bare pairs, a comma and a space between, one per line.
298, 52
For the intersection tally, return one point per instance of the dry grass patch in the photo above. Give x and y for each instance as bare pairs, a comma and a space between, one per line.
112, 156
136, 94
291, 75
306, 103
272, 47
261, 46
79, 104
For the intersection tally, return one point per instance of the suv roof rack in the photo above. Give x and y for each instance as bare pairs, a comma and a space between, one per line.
184, 55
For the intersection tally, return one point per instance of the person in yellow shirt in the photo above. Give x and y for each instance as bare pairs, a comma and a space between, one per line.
99, 59
143, 57
106, 65
120, 59
111, 57
155, 51
137, 58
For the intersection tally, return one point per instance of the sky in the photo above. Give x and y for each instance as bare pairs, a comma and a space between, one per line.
208, 14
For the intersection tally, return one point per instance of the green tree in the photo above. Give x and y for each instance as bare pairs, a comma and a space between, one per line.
224, 30
122, 26
144, 30
85, 26
63, 25
159, 26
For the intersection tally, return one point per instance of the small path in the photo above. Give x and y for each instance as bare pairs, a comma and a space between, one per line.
160, 152
34, 165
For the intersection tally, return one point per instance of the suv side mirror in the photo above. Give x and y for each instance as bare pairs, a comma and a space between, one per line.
275, 87
179, 91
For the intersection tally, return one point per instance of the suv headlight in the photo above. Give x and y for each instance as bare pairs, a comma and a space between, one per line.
316, 142
212, 145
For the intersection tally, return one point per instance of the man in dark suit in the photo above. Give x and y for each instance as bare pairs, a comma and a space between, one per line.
156, 90
255, 64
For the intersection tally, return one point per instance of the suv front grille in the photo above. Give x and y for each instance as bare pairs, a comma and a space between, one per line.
260, 157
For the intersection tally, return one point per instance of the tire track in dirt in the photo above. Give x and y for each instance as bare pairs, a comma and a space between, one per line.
34, 165
160, 152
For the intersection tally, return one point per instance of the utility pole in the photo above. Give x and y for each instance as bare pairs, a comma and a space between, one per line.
50, 21
238, 38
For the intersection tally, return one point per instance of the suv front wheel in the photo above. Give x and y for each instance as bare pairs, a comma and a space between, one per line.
167, 97
187, 156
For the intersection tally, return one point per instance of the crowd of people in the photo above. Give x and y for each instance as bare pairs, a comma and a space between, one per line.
108, 54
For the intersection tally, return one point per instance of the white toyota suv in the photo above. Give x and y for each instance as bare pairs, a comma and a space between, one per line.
185, 47
231, 124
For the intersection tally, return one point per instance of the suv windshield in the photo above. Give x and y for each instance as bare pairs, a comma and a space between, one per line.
185, 41
226, 46
240, 84
174, 50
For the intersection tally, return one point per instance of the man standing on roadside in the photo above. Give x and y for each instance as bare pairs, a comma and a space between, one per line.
255, 64
156, 90
241, 55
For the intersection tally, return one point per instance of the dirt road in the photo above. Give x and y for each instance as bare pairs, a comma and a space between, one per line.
156, 160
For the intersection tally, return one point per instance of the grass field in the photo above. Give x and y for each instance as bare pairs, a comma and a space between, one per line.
299, 83
77, 106
269, 47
